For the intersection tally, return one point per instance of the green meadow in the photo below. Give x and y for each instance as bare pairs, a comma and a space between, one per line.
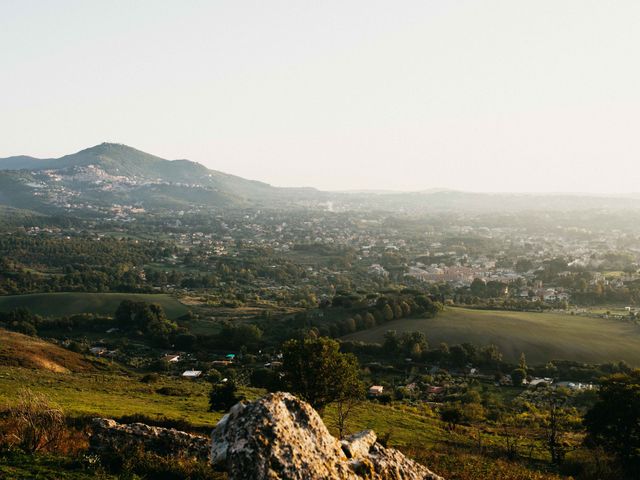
116, 395
61, 304
111, 395
541, 336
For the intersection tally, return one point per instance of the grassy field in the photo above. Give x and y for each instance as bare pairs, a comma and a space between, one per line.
61, 304
415, 429
22, 466
109, 395
541, 336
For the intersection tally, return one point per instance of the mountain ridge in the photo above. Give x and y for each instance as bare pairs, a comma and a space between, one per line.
113, 173
114, 159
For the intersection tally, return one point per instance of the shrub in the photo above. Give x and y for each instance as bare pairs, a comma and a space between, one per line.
76, 347
472, 412
265, 378
136, 463
594, 464
160, 365
223, 396
213, 376
452, 415
172, 391
33, 424
150, 378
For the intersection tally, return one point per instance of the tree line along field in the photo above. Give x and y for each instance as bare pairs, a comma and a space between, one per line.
64, 304
541, 336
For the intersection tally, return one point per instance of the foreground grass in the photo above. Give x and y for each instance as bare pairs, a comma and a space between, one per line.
69, 303
541, 336
456, 465
404, 427
110, 395
19, 466
415, 430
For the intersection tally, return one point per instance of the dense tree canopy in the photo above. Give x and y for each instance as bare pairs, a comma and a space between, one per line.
146, 318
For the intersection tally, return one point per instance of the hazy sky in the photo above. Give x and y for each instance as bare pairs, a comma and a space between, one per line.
537, 95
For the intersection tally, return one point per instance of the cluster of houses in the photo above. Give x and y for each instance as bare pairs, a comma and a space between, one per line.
464, 276
436, 273
174, 358
100, 351
539, 382
544, 294
171, 359
438, 391
377, 391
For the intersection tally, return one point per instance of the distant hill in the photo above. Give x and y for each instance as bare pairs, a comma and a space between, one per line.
23, 162
118, 160
109, 173
17, 350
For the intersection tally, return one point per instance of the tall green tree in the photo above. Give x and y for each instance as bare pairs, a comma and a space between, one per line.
522, 363
391, 342
387, 312
318, 372
614, 421
478, 287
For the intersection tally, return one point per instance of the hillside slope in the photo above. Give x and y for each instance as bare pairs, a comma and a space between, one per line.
110, 173
17, 350
114, 159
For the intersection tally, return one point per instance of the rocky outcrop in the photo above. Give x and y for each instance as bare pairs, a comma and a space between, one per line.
111, 436
280, 437
277, 437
